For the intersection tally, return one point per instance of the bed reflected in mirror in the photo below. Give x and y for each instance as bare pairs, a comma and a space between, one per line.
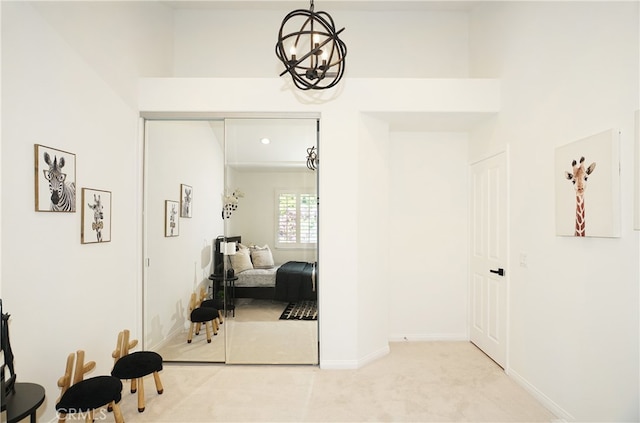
274, 228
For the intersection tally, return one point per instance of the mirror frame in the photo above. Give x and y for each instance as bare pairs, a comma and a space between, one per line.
198, 116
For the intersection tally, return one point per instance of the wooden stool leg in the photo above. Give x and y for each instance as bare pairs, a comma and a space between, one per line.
117, 414
190, 337
134, 385
62, 417
140, 395
198, 327
206, 325
159, 387
220, 316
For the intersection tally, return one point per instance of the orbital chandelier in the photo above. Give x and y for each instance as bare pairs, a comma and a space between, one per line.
312, 158
310, 49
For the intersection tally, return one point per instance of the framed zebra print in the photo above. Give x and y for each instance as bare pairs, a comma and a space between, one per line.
55, 180
186, 200
171, 221
96, 216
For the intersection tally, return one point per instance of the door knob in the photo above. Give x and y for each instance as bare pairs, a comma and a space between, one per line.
500, 271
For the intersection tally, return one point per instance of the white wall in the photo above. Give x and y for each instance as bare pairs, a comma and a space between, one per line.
407, 44
428, 233
64, 296
118, 41
191, 153
255, 219
568, 70
354, 273
371, 249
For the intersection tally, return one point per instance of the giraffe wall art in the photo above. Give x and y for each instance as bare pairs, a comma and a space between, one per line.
578, 177
96, 216
171, 221
186, 200
588, 200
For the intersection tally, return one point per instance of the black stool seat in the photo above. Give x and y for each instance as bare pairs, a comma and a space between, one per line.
203, 314
137, 364
90, 394
218, 304
212, 303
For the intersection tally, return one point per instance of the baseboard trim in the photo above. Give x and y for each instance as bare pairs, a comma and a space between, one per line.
164, 342
561, 414
429, 337
354, 364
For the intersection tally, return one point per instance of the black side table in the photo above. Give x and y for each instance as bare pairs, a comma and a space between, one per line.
229, 296
24, 402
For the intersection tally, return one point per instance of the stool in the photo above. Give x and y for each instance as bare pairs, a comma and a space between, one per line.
87, 395
198, 316
204, 315
135, 366
216, 304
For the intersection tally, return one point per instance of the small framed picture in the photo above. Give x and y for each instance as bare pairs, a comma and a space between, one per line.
171, 227
55, 180
96, 216
186, 200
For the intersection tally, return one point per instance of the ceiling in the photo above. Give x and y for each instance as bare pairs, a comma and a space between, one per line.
287, 149
364, 5
290, 138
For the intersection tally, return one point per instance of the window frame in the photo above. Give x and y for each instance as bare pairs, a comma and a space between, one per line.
295, 245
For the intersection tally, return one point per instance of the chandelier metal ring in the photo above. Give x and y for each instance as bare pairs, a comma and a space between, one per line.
312, 53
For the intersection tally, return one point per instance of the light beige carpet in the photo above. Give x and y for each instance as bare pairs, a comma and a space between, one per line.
281, 342
416, 382
254, 335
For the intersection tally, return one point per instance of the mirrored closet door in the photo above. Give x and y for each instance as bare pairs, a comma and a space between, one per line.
272, 227
183, 182
219, 196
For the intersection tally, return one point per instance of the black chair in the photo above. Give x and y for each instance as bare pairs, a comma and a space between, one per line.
81, 395
135, 366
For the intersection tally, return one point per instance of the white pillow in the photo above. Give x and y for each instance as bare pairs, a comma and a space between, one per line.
262, 257
241, 260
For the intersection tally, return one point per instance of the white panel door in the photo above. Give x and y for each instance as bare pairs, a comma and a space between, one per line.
488, 279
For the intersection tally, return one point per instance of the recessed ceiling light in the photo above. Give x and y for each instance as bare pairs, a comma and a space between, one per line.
265, 141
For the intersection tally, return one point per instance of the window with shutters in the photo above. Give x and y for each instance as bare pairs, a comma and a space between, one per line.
297, 219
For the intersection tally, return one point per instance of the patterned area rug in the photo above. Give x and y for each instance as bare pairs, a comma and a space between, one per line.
301, 310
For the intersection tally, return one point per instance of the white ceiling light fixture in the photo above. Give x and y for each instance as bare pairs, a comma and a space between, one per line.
265, 141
